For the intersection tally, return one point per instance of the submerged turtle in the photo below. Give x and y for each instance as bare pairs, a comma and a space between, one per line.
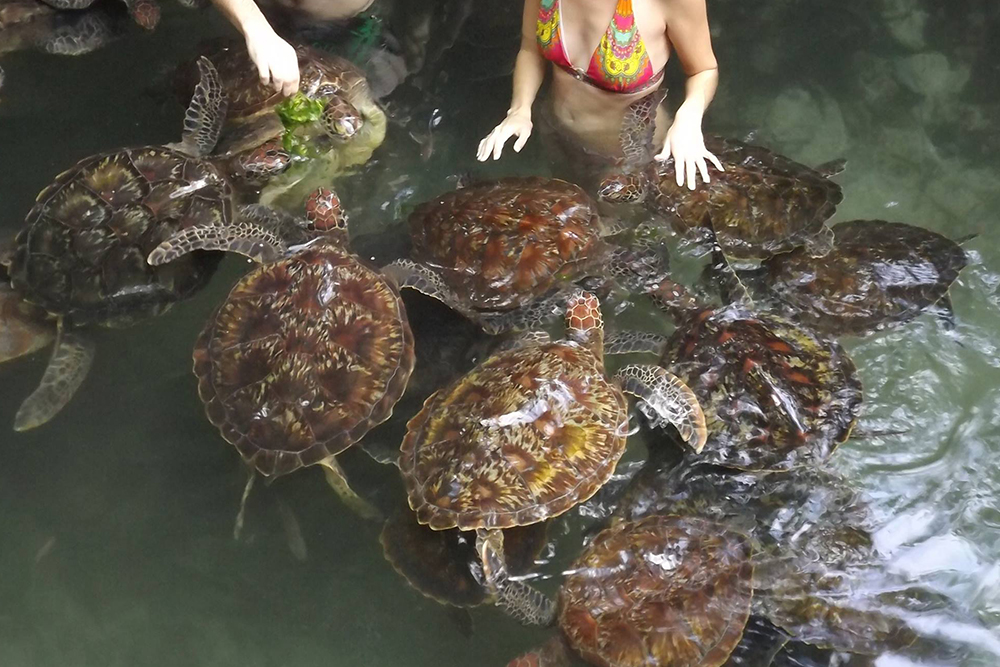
309, 351
504, 253
810, 532
776, 395
528, 434
144, 12
666, 590
81, 255
762, 204
878, 273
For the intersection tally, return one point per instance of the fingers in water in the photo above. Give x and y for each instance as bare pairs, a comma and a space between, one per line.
522, 139
714, 160
692, 174
703, 169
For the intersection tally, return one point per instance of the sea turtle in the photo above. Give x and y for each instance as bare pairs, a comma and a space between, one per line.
528, 434
81, 255
665, 590
309, 351
504, 253
811, 534
776, 394
144, 12
878, 274
762, 204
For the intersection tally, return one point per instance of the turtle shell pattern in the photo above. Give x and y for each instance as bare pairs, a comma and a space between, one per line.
666, 590
303, 358
775, 395
502, 244
82, 251
440, 564
877, 273
761, 205
523, 437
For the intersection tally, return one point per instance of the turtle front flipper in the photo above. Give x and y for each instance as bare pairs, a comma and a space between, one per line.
666, 399
527, 605
552, 654
638, 269
23, 328
337, 480
636, 137
67, 368
257, 234
629, 342
408, 274
205, 114
533, 316
821, 244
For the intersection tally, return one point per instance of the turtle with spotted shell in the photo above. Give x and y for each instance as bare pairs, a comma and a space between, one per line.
81, 255
664, 590
144, 12
760, 205
528, 434
310, 350
506, 253
877, 275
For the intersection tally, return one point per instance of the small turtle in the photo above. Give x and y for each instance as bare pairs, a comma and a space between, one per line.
505, 252
878, 274
810, 531
776, 395
81, 255
762, 204
528, 434
144, 12
666, 590
309, 351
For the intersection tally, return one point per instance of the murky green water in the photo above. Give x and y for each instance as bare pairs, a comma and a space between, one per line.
116, 518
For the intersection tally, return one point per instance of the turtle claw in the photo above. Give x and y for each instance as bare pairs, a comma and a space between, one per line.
666, 399
518, 599
67, 369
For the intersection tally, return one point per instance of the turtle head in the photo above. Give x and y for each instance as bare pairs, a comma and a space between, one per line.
264, 162
325, 216
623, 188
340, 120
144, 12
584, 322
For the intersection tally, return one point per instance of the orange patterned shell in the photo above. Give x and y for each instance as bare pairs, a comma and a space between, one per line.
304, 357
525, 436
502, 244
666, 590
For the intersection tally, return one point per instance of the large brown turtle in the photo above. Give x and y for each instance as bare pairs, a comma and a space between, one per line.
666, 590
762, 203
527, 435
811, 535
877, 274
81, 253
309, 351
144, 12
505, 253
776, 394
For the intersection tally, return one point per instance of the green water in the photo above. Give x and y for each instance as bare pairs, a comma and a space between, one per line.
116, 518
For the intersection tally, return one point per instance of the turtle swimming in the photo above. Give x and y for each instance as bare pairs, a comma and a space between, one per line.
506, 253
762, 204
144, 12
80, 255
309, 351
528, 434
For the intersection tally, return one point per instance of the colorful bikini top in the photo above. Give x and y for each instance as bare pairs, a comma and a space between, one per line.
619, 65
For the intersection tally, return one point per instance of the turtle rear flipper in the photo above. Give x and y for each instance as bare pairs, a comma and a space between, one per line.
257, 235
23, 328
67, 368
665, 398
337, 480
527, 605
205, 114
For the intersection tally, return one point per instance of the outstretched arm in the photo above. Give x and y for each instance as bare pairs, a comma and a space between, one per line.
529, 72
275, 58
687, 31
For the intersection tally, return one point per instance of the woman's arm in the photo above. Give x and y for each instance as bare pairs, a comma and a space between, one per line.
529, 72
275, 58
687, 31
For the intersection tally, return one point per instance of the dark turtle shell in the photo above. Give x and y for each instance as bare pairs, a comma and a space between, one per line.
775, 395
810, 530
878, 273
303, 358
503, 244
523, 437
666, 590
82, 251
441, 564
761, 205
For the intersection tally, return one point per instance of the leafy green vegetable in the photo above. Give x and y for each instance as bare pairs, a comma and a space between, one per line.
299, 110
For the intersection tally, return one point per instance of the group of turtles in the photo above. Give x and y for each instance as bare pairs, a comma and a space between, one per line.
733, 548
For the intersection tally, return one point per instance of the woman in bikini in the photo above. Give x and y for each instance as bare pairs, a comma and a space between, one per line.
592, 88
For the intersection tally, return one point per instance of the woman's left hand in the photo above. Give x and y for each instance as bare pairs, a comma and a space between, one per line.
686, 144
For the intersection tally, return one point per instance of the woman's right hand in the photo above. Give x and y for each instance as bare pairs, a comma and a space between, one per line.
276, 61
517, 123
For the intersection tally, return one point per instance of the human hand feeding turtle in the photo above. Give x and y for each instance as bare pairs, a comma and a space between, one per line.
276, 61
